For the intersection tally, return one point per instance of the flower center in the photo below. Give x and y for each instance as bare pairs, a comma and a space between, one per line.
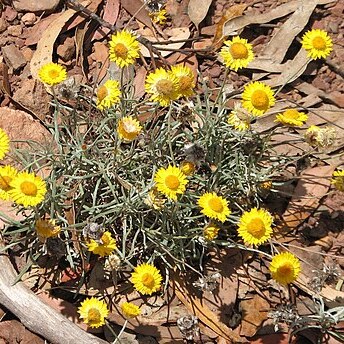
148, 280
165, 87
105, 239
28, 188
319, 43
102, 93
172, 182
260, 100
238, 51
5, 183
53, 73
121, 50
216, 205
129, 127
185, 82
285, 270
256, 228
94, 315
291, 114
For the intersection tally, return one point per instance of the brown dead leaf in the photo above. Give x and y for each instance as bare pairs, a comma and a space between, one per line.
12, 331
111, 11
137, 9
101, 55
139, 82
197, 10
254, 312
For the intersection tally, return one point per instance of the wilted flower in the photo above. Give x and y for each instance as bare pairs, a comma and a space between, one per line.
188, 326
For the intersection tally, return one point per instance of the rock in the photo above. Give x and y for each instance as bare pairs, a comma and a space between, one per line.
15, 30
28, 19
3, 25
34, 5
13, 57
27, 52
9, 14
66, 50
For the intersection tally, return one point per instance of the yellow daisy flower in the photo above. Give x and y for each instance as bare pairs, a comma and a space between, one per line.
317, 43
255, 226
154, 199
292, 117
159, 17
162, 86
130, 310
257, 98
46, 228
93, 312
170, 181
146, 279
186, 80
27, 189
52, 74
239, 118
320, 137
104, 247
214, 206
285, 268
237, 53
128, 128
188, 168
211, 231
108, 94
7, 173
124, 48
4, 144
338, 180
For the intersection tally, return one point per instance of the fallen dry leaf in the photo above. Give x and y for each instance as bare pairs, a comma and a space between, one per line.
101, 55
111, 11
139, 82
197, 10
138, 10
12, 331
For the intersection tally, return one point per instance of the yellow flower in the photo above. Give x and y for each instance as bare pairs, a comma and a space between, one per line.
146, 279
317, 43
46, 228
124, 48
130, 310
210, 232
170, 181
292, 117
266, 185
27, 189
186, 80
159, 17
52, 74
4, 144
108, 94
128, 128
237, 53
188, 168
257, 98
104, 247
285, 268
162, 86
338, 180
320, 137
255, 226
93, 312
239, 118
154, 199
7, 173
214, 206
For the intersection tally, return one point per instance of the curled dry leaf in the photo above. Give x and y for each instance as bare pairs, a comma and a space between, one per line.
197, 10
137, 9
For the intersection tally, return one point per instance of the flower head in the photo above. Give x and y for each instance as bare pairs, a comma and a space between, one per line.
186, 80
128, 128
130, 310
255, 226
146, 279
187, 167
317, 43
93, 312
7, 173
320, 137
124, 48
292, 117
27, 189
239, 118
108, 94
257, 98
214, 206
236, 53
46, 228
159, 17
170, 181
103, 247
52, 74
4, 144
162, 86
285, 268
338, 180
155, 199
211, 231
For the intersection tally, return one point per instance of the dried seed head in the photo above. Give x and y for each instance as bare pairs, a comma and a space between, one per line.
93, 231
188, 326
